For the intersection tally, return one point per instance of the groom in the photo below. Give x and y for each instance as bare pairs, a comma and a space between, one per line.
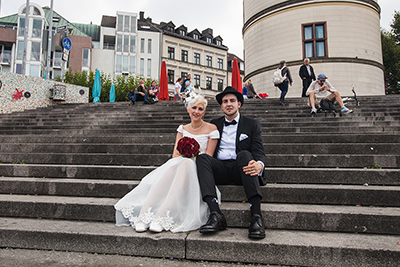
238, 159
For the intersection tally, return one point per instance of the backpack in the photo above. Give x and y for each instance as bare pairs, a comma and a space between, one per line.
327, 106
278, 78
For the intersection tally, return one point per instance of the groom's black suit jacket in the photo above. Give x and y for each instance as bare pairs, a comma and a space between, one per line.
253, 142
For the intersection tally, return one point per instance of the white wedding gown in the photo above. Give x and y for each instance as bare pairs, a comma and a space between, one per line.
169, 195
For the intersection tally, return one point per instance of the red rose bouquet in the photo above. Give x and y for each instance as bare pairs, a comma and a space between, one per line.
188, 147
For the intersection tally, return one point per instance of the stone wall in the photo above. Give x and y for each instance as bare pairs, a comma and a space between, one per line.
18, 92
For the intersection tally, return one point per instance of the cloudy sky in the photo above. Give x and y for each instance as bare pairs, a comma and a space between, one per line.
225, 17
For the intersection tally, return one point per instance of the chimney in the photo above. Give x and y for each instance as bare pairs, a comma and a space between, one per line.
141, 15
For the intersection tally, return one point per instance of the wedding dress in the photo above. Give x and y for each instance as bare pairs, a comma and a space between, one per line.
169, 195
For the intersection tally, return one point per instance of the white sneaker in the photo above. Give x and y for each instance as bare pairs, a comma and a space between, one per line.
313, 111
345, 110
140, 227
155, 227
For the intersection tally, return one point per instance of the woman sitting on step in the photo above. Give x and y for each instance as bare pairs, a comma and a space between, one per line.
169, 197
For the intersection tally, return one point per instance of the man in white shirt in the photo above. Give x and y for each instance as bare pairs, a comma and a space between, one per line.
322, 89
239, 159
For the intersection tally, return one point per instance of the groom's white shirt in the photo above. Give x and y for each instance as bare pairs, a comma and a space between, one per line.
227, 147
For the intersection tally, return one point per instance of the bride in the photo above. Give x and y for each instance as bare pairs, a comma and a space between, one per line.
169, 197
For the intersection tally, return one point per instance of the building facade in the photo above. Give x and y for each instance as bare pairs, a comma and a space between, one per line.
342, 39
12, 33
122, 45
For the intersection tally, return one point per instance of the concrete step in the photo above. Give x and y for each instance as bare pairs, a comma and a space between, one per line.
273, 160
331, 218
105, 119
285, 247
169, 138
167, 148
363, 195
336, 176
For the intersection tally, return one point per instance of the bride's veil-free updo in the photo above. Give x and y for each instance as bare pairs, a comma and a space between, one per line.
199, 99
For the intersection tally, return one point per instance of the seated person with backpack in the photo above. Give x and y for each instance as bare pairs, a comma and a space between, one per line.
139, 95
153, 93
322, 89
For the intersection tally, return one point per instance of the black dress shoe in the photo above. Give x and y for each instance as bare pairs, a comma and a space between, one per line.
256, 229
215, 223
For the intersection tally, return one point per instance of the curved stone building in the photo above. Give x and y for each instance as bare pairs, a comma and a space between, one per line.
342, 38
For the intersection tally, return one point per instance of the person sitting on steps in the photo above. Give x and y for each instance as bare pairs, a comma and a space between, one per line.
322, 89
140, 94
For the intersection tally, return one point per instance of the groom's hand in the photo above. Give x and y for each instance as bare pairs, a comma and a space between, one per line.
253, 168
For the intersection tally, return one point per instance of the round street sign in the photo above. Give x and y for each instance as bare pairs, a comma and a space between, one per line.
67, 43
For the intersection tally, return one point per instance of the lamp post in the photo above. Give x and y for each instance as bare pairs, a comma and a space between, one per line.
50, 40
25, 37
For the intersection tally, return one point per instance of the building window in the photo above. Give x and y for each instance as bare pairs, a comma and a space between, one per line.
148, 67
196, 36
209, 61
5, 55
34, 70
196, 59
133, 44
57, 59
314, 40
126, 23
171, 75
18, 69
219, 42
208, 82
20, 50
35, 51
220, 64
119, 43
85, 57
171, 53
133, 24
197, 80
209, 40
126, 43
220, 84
182, 32
37, 28
125, 64
184, 75
149, 46
132, 64
21, 27
184, 56
142, 66
120, 23
142, 45
118, 67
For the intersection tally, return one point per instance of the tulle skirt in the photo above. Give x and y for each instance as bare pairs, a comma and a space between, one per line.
169, 196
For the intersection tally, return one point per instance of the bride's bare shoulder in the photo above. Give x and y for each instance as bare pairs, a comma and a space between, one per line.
211, 127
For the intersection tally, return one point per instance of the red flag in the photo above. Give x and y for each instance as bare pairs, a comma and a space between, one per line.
164, 95
236, 80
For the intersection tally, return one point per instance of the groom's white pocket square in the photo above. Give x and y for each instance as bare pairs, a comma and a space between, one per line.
242, 137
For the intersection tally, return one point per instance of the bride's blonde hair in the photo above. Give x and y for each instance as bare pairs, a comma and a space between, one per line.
197, 100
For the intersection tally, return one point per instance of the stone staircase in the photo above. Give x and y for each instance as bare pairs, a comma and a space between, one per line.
333, 197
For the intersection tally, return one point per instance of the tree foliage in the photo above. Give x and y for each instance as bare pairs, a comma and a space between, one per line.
391, 55
123, 84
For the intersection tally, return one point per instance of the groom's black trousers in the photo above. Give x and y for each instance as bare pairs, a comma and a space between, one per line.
212, 171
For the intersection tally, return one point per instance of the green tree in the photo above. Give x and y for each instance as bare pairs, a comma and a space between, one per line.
123, 84
391, 55
395, 25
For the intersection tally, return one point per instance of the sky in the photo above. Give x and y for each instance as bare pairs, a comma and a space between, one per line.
225, 17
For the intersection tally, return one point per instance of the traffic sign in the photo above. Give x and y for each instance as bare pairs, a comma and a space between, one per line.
62, 28
67, 43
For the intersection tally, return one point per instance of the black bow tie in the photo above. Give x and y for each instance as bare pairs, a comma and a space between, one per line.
227, 123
